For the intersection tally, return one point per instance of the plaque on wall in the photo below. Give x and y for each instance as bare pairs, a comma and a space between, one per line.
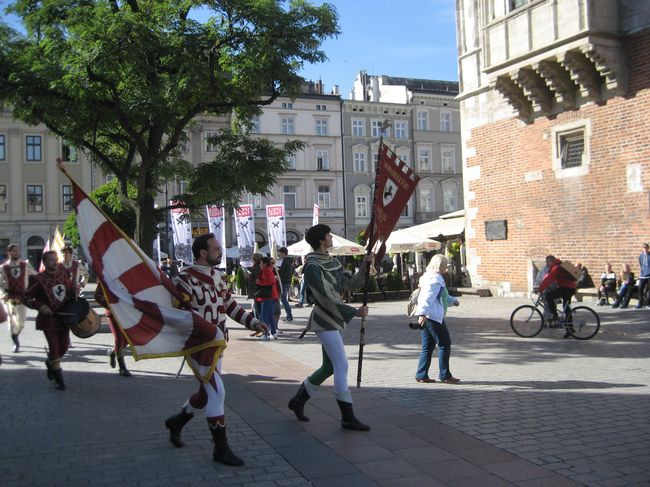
496, 230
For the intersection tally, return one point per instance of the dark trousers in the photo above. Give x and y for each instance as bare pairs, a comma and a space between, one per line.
563, 293
643, 283
285, 300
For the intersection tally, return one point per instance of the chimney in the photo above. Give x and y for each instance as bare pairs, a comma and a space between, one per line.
335, 90
319, 87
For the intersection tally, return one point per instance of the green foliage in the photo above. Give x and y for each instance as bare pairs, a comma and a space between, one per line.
373, 287
123, 81
454, 249
111, 201
241, 278
394, 281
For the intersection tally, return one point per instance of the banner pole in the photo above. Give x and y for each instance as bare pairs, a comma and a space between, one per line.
371, 228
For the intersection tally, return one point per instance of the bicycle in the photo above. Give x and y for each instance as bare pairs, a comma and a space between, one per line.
580, 322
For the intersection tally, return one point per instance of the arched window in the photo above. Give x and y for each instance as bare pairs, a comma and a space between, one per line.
292, 237
450, 196
260, 239
35, 246
362, 202
426, 196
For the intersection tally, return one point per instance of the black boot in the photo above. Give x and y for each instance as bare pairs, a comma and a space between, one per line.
348, 419
222, 452
58, 378
175, 425
16, 343
50, 371
297, 403
124, 372
111, 359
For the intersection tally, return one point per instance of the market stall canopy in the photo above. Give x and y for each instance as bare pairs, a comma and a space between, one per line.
341, 247
233, 252
449, 225
402, 241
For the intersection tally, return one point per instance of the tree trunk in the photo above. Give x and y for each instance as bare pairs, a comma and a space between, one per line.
145, 231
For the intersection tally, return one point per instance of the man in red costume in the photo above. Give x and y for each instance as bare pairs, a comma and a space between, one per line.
48, 291
205, 289
14, 278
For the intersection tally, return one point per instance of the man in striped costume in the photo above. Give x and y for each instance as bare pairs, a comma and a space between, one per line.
205, 289
326, 281
14, 277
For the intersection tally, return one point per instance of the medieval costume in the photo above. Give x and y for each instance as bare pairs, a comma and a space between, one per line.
120, 342
14, 278
206, 290
325, 282
51, 289
77, 274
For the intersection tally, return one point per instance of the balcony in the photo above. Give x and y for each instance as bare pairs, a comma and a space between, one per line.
555, 55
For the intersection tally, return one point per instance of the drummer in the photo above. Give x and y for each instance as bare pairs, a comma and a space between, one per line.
48, 291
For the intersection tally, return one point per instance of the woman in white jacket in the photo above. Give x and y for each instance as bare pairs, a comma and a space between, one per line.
433, 302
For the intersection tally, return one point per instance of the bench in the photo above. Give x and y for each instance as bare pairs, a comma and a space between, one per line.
592, 294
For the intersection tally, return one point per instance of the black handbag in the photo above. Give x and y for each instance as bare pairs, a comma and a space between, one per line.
263, 292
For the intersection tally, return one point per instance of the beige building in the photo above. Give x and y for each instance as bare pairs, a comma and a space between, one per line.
34, 196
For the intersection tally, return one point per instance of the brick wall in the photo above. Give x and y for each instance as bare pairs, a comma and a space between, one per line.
592, 218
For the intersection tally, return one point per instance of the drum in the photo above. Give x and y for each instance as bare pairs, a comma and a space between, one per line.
77, 315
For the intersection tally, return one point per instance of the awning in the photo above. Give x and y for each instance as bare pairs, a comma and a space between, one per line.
402, 241
449, 225
341, 247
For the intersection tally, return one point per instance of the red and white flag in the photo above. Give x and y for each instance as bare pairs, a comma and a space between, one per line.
142, 298
394, 185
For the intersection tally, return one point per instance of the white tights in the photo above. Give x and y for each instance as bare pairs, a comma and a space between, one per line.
332, 342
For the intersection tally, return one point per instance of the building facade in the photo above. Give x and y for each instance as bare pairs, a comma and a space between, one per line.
35, 196
553, 97
424, 131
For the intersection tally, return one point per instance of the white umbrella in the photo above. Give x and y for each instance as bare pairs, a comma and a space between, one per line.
401, 241
340, 246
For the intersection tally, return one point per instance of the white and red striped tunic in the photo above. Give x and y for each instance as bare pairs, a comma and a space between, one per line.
207, 292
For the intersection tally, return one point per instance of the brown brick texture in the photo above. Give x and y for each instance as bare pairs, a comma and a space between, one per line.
592, 218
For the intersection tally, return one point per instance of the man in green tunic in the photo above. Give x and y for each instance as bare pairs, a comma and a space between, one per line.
326, 281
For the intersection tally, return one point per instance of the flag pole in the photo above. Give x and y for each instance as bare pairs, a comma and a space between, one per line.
371, 228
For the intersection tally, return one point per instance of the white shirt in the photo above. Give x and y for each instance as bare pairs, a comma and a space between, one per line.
429, 300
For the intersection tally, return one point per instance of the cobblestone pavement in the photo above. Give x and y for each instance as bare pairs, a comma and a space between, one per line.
578, 408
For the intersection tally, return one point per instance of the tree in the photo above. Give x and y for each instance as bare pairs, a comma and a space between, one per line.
123, 80
109, 199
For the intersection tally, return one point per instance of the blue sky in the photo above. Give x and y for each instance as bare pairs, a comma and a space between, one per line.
410, 38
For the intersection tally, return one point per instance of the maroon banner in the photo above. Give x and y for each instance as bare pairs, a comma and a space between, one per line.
395, 183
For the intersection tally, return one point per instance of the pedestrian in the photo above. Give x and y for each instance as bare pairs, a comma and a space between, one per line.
205, 289
644, 275
431, 309
120, 343
286, 271
324, 277
266, 294
77, 273
14, 279
48, 292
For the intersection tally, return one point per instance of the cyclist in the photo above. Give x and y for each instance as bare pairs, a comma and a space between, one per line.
558, 283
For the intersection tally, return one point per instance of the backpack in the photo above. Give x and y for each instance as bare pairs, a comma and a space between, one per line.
412, 302
571, 272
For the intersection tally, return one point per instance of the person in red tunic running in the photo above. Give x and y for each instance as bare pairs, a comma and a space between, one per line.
48, 291
118, 337
14, 278
205, 289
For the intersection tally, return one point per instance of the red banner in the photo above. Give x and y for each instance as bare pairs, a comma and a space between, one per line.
394, 185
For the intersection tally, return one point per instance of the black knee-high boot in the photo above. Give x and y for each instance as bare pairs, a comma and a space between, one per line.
222, 452
14, 338
175, 425
50, 370
124, 372
58, 378
297, 403
348, 419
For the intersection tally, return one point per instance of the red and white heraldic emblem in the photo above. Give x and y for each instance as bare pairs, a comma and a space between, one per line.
15, 272
58, 292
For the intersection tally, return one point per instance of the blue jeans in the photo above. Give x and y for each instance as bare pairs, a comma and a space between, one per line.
267, 314
285, 301
301, 292
434, 333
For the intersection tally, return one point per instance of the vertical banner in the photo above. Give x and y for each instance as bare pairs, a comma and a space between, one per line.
156, 249
217, 227
182, 232
245, 228
316, 217
275, 226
